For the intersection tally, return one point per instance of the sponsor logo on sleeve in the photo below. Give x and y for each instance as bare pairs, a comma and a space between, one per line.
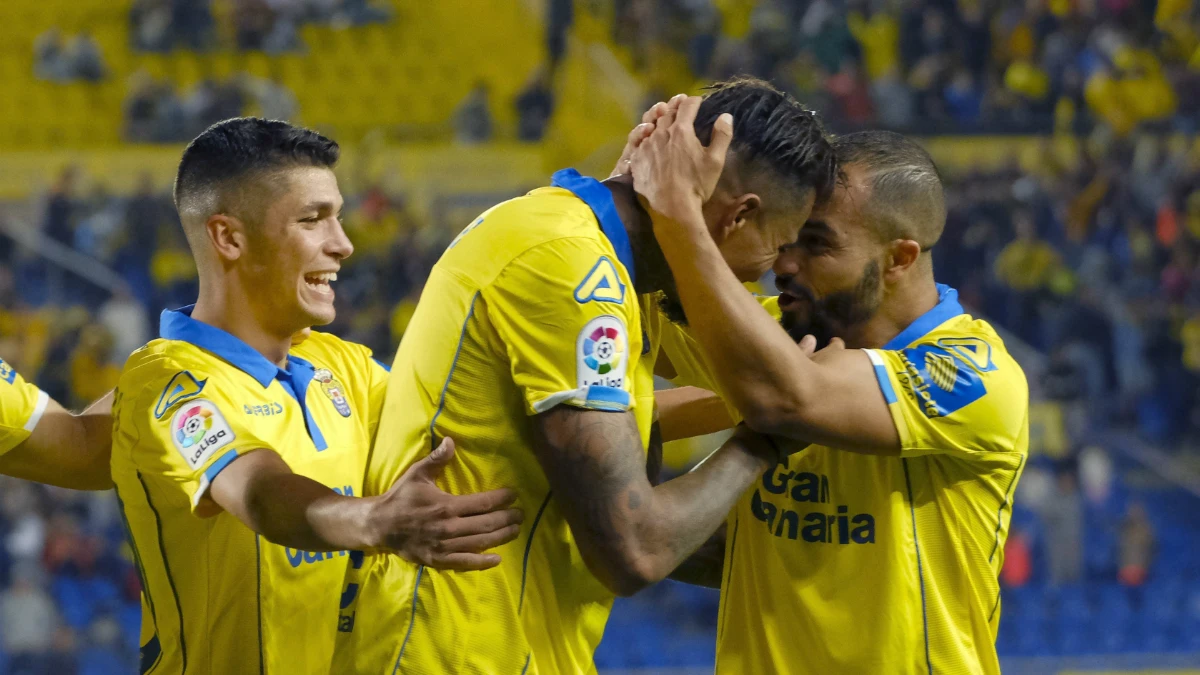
7, 373
938, 380
198, 430
602, 353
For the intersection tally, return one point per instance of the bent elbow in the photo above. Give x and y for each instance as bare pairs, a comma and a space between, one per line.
771, 419
625, 573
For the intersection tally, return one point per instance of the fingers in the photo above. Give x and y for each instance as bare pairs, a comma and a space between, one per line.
639, 133
465, 561
722, 136
688, 107
656, 111
481, 502
808, 345
478, 543
835, 344
430, 467
668, 117
481, 524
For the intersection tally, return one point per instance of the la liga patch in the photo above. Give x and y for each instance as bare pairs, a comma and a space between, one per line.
602, 353
198, 430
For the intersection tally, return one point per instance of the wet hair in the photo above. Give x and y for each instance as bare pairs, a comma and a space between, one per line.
772, 132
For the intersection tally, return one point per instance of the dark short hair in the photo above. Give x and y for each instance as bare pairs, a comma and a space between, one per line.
225, 155
907, 200
772, 130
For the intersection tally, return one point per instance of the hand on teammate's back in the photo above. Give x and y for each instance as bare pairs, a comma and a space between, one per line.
423, 524
673, 170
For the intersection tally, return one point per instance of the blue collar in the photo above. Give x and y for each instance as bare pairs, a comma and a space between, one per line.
946, 309
179, 325
599, 198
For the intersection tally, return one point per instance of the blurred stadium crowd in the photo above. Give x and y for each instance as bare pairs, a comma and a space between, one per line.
1090, 257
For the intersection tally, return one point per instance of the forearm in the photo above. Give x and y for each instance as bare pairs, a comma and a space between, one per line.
297, 512
757, 365
685, 412
706, 565
630, 533
687, 510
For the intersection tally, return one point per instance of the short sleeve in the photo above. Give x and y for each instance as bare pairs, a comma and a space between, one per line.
21, 407
188, 432
953, 398
566, 316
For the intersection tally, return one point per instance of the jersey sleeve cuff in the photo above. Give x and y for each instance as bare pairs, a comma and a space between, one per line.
881, 374
594, 397
210, 474
39, 409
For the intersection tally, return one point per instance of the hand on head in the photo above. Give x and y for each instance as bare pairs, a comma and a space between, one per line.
672, 170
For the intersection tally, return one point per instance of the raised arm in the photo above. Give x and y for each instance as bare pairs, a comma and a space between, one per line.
831, 398
415, 519
685, 412
632, 534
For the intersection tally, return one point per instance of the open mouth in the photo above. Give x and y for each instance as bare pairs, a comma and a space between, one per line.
786, 300
320, 282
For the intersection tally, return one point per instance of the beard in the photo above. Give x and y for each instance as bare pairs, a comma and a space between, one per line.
833, 315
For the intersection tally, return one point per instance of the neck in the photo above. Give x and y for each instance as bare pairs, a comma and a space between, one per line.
901, 306
221, 307
650, 266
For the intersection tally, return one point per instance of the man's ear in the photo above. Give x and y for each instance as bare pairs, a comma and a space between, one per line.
729, 215
903, 254
227, 236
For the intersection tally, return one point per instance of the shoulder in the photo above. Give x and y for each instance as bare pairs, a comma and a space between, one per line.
961, 368
165, 373
511, 228
323, 348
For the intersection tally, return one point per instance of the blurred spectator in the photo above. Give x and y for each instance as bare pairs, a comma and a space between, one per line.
1063, 518
849, 92
473, 118
78, 59
28, 623
58, 223
125, 319
534, 106
1137, 544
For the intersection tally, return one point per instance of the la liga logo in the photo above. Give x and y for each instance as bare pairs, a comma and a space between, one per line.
193, 425
198, 429
604, 349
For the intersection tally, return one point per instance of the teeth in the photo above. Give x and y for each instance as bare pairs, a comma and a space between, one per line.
323, 278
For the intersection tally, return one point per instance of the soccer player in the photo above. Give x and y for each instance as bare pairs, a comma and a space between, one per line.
531, 346
877, 548
238, 457
43, 442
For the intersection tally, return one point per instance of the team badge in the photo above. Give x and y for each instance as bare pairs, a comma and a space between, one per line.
198, 430
601, 353
334, 390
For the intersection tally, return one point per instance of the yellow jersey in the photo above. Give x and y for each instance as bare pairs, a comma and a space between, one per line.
838, 562
531, 307
22, 405
219, 598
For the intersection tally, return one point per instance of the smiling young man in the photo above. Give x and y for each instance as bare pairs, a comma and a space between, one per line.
874, 548
238, 456
531, 348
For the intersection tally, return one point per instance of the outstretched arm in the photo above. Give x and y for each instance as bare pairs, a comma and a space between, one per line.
632, 534
65, 449
414, 519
